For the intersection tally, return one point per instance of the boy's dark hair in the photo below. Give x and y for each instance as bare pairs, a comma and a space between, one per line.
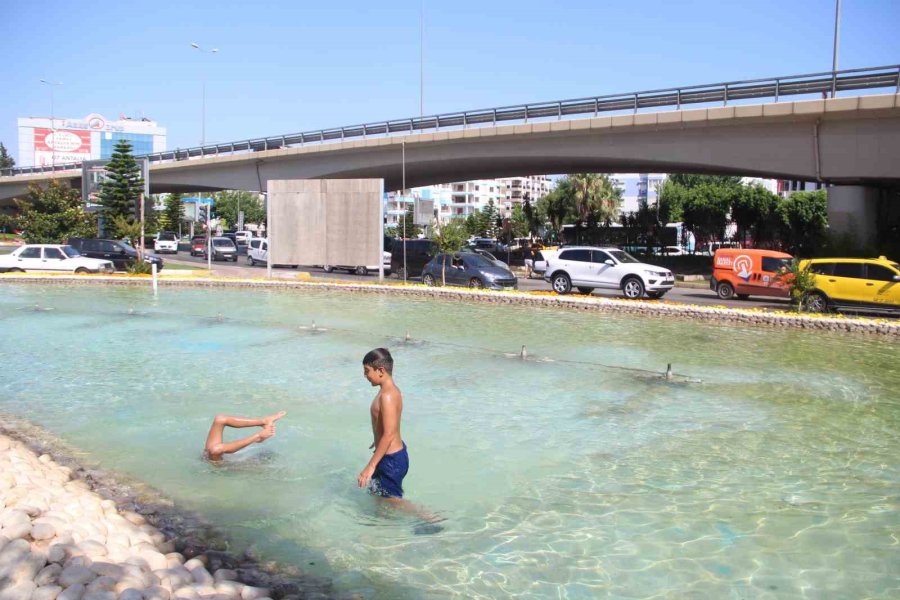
379, 358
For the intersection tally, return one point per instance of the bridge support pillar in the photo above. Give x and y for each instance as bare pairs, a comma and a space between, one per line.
853, 211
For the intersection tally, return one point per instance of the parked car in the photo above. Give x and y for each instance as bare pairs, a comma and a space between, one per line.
224, 248
489, 256
418, 253
166, 241
52, 257
243, 237
588, 268
745, 272
470, 270
363, 269
668, 251
121, 254
258, 253
198, 245
538, 263
854, 284
709, 248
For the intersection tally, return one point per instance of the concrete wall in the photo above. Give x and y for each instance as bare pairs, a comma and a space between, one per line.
325, 222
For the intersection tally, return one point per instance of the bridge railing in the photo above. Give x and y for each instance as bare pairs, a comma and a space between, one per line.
775, 88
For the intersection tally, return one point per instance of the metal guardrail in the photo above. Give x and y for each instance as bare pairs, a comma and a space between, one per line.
828, 82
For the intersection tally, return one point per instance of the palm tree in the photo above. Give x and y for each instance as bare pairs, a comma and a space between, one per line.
597, 198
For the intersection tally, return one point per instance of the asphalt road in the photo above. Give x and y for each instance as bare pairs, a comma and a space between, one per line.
681, 295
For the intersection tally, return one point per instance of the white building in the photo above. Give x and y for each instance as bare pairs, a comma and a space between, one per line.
45, 142
460, 199
637, 188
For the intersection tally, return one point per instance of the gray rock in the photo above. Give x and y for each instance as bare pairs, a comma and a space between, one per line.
99, 596
107, 568
46, 592
18, 564
74, 592
157, 593
104, 583
225, 574
48, 575
19, 591
75, 575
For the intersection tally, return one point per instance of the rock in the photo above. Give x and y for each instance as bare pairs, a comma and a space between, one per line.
104, 583
99, 596
253, 593
74, 592
231, 588
18, 564
19, 591
93, 548
185, 594
129, 582
56, 553
131, 594
224, 574
74, 575
78, 561
46, 592
13, 517
202, 576
17, 530
42, 531
157, 593
194, 562
48, 575
154, 559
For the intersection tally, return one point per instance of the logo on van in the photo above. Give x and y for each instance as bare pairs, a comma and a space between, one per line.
743, 266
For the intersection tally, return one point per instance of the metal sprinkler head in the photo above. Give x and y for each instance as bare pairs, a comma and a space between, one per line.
669, 373
408, 338
313, 326
524, 353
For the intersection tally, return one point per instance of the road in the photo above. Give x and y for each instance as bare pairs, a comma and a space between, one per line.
680, 295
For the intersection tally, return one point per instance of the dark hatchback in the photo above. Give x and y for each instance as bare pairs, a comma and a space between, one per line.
470, 270
122, 255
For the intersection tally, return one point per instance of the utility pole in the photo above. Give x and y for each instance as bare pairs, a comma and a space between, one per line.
837, 40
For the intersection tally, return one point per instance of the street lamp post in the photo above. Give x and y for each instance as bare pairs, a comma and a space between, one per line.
196, 46
52, 84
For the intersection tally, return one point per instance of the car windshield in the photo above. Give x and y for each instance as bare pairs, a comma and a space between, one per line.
223, 243
167, 237
70, 251
622, 256
128, 247
477, 261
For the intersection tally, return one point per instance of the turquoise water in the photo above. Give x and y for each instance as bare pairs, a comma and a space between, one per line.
775, 477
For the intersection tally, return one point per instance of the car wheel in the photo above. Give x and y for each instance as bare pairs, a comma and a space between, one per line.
476, 284
251, 261
725, 290
362, 271
585, 290
82, 270
295, 266
562, 284
743, 296
428, 279
328, 268
655, 295
816, 302
235, 259
633, 288
401, 273
15, 270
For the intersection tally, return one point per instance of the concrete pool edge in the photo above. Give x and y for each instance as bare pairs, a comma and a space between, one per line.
178, 535
748, 317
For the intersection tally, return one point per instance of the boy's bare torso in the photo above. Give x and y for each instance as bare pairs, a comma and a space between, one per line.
386, 394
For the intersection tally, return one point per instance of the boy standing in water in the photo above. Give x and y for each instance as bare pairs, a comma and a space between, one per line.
390, 461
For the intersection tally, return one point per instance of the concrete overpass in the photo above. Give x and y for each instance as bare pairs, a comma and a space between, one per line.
849, 141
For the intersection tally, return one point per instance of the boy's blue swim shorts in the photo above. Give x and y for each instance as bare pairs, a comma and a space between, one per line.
387, 480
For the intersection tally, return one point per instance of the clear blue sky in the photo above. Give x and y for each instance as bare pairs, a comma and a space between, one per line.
287, 66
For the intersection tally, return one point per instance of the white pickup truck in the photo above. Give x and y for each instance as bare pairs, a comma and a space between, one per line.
258, 252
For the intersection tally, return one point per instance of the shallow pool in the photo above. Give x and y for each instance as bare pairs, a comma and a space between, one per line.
577, 473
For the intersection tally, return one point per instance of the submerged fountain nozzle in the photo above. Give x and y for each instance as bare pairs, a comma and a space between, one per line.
669, 374
408, 337
524, 353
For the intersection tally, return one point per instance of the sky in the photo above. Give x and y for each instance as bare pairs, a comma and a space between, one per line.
292, 65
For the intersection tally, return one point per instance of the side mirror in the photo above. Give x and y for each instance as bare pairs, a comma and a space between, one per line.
896, 277
609, 262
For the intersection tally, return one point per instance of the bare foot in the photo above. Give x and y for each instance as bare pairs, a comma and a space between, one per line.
266, 432
272, 418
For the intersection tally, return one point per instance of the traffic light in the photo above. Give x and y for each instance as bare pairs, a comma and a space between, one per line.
203, 213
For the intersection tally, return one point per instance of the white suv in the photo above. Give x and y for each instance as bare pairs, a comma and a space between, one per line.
587, 268
166, 241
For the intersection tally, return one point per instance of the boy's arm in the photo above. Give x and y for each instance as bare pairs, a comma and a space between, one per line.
390, 423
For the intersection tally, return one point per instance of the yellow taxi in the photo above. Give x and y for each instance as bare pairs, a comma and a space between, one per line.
854, 284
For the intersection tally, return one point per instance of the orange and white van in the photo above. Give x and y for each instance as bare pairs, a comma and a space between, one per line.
743, 272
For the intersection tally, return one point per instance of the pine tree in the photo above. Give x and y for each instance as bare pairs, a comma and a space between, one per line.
6, 161
120, 192
174, 212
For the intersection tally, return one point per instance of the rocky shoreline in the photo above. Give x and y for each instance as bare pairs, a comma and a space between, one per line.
73, 533
644, 308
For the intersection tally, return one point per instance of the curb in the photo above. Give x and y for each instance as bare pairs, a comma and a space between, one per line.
654, 308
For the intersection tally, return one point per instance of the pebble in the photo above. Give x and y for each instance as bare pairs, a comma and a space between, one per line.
61, 541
